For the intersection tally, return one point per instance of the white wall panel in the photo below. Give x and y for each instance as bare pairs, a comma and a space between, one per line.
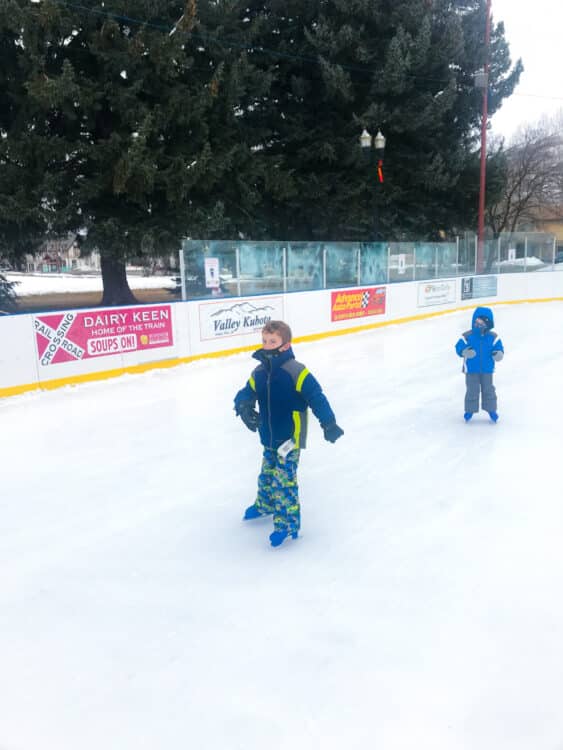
17, 351
225, 324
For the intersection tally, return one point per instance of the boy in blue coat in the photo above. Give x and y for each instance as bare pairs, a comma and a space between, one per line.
480, 348
284, 389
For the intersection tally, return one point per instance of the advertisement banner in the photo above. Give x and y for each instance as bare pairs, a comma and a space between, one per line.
72, 336
358, 303
436, 293
473, 287
211, 266
232, 318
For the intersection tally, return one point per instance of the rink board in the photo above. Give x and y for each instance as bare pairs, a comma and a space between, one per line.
52, 350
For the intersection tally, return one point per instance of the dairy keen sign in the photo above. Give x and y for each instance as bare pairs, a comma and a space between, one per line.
71, 336
232, 318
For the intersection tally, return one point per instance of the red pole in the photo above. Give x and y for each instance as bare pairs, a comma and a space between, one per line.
483, 173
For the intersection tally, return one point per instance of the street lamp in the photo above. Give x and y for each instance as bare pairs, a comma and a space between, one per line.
378, 143
482, 81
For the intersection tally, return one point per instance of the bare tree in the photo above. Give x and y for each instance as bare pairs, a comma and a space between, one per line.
533, 177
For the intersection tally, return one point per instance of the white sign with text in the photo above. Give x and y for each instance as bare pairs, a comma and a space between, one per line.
436, 293
235, 317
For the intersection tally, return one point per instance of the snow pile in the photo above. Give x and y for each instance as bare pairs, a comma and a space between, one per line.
530, 262
28, 284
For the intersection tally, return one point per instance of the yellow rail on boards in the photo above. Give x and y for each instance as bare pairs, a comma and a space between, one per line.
48, 385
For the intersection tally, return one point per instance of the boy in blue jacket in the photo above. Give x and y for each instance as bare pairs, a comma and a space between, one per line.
284, 389
480, 348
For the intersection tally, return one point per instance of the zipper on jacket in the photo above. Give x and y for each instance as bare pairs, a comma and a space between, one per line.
270, 411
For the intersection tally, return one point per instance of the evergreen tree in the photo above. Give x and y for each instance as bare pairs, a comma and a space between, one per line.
229, 118
22, 166
403, 66
7, 295
136, 127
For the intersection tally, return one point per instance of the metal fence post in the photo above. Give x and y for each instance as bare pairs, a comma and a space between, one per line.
324, 267
183, 273
553, 254
237, 261
457, 255
359, 264
388, 262
284, 264
525, 253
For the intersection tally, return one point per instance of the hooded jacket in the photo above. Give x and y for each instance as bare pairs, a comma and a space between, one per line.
284, 389
484, 340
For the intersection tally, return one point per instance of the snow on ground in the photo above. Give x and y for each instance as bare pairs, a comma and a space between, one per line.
27, 284
421, 607
555, 267
529, 261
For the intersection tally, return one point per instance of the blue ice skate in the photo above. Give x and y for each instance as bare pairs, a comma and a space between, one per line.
494, 416
278, 537
467, 416
252, 512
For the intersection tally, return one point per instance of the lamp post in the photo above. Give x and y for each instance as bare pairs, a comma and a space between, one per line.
483, 82
378, 143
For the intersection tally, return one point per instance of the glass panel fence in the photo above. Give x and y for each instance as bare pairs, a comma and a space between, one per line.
446, 260
540, 251
373, 263
305, 266
401, 261
261, 267
424, 261
342, 266
251, 268
466, 256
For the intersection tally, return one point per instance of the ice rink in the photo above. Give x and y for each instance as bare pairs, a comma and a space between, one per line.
421, 608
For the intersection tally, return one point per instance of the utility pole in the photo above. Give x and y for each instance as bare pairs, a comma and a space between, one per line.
483, 170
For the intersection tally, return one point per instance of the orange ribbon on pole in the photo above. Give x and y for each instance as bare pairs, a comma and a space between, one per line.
380, 170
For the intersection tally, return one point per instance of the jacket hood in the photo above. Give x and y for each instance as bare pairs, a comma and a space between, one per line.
483, 312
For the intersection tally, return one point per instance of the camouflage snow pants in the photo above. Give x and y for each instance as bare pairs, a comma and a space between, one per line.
277, 490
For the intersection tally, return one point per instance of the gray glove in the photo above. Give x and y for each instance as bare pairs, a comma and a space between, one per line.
469, 352
498, 355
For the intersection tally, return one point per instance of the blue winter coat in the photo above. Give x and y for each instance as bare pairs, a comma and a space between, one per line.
484, 341
284, 388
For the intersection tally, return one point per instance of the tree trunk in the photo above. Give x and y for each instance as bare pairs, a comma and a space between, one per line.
116, 286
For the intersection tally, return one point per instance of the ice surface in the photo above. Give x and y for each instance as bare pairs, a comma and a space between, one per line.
421, 608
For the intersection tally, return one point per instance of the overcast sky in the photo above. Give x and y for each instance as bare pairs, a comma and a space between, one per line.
534, 31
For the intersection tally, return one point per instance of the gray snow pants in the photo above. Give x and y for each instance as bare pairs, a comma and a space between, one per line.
480, 383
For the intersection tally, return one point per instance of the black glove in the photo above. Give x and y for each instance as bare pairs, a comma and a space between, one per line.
249, 415
332, 432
